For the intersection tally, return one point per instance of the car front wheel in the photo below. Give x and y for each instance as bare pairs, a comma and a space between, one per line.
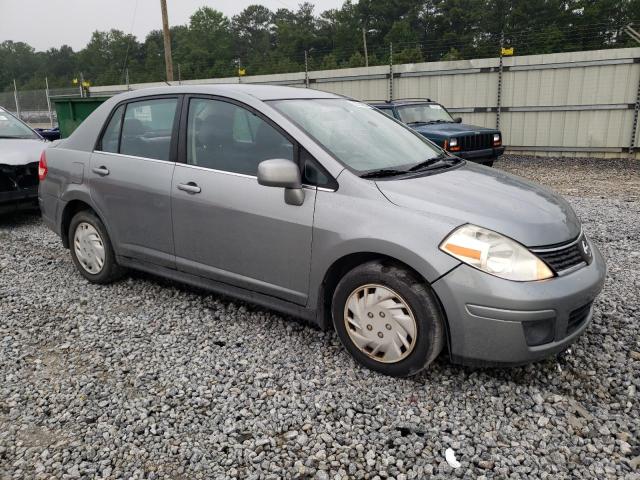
388, 319
91, 249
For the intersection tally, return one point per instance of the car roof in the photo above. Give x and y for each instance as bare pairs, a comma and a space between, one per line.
261, 92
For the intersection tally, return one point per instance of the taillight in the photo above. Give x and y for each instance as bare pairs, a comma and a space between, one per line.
42, 167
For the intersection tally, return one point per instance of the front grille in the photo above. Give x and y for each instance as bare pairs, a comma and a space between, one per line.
562, 258
476, 142
578, 317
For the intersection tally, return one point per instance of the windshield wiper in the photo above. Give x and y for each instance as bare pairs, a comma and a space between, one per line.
383, 172
428, 163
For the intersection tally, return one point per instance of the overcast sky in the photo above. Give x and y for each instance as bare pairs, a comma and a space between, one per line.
51, 23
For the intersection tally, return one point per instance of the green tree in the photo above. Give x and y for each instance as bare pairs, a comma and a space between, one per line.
206, 49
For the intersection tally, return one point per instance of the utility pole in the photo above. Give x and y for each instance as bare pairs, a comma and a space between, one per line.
500, 70
81, 85
15, 97
46, 82
391, 71
636, 110
364, 42
166, 34
306, 69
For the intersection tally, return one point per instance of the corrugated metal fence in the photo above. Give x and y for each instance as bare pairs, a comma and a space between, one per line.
573, 104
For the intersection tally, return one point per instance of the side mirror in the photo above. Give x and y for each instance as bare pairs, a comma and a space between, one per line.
458, 119
283, 174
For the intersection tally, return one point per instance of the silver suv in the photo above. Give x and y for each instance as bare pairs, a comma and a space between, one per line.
323, 208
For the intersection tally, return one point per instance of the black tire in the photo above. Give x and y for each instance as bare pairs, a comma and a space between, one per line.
110, 271
416, 293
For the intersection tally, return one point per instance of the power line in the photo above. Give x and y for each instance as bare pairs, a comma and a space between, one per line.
131, 38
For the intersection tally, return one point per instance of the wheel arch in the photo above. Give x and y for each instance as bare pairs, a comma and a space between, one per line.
348, 262
70, 209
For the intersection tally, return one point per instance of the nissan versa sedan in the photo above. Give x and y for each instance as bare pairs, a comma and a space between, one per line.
323, 208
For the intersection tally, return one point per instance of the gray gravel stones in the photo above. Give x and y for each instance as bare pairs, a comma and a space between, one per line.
150, 379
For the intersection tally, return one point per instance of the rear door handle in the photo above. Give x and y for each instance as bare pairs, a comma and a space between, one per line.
102, 171
190, 187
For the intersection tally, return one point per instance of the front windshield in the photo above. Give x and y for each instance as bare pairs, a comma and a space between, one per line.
423, 113
11, 127
358, 135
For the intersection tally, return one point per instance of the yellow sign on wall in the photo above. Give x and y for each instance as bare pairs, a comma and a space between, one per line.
506, 52
242, 72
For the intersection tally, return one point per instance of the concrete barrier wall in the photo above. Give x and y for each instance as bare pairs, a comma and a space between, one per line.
570, 104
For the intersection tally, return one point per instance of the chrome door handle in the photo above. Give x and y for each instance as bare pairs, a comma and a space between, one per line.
103, 171
190, 187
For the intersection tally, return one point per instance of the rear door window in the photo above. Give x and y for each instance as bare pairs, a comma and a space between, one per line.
148, 127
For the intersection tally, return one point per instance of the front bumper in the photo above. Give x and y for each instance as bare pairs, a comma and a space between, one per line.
20, 199
487, 316
484, 154
18, 187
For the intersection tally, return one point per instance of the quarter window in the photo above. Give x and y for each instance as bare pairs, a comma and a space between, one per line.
224, 136
312, 173
148, 127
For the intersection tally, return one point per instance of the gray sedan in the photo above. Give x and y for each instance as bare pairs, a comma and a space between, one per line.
324, 208
20, 149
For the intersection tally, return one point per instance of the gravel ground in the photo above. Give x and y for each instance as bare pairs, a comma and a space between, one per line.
148, 379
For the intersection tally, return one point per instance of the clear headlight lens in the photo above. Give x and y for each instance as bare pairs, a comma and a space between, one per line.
453, 142
495, 254
496, 137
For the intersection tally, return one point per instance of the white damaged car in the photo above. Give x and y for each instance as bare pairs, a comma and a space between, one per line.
20, 150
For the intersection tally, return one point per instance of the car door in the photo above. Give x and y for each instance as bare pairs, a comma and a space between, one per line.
226, 226
130, 178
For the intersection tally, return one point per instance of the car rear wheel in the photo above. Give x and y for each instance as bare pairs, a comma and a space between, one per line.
91, 249
388, 319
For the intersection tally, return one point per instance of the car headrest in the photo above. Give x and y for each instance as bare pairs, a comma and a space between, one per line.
133, 127
215, 127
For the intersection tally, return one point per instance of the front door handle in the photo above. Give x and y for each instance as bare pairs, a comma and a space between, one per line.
190, 187
102, 171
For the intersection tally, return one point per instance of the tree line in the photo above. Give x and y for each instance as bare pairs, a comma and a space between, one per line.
263, 41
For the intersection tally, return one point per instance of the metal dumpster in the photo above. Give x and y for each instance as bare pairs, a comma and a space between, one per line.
71, 111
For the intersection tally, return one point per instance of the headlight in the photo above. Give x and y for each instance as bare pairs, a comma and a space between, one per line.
453, 142
496, 137
495, 254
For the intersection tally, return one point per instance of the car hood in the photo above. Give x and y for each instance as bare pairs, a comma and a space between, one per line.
451, 129
20, 151
483, 196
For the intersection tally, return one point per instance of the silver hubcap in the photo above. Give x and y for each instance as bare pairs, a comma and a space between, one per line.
89, 248
380, 323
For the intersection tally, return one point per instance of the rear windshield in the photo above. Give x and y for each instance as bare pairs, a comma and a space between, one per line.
358, 135
11, 127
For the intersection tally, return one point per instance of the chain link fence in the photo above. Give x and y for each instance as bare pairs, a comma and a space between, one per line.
33, 106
